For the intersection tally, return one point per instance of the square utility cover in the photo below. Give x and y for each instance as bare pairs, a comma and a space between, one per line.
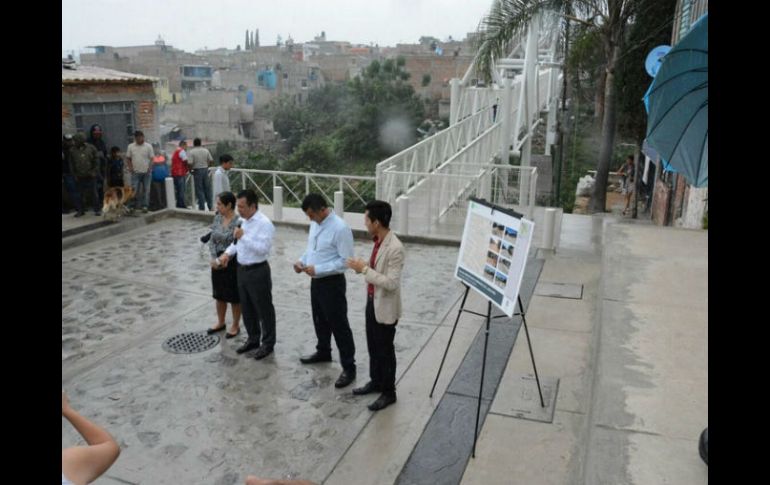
559, 290
523, 401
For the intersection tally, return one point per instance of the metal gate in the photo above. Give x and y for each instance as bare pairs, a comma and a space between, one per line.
116, 119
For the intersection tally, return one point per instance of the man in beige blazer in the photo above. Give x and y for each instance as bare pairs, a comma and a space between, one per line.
383, 302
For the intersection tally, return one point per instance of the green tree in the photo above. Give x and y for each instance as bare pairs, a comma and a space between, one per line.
315, 154
651, 28
425, 80
586, 66
352, 124
381, 95
292, 121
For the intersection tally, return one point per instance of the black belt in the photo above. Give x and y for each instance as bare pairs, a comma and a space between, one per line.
331, 277
250, 266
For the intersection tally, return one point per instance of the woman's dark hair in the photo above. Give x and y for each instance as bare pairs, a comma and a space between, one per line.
227, 198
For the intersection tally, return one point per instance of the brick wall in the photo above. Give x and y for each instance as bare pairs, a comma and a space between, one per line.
145, 115
441, 70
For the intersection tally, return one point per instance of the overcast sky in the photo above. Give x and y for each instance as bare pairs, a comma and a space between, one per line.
195, 24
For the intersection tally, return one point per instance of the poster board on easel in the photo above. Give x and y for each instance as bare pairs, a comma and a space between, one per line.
493, 253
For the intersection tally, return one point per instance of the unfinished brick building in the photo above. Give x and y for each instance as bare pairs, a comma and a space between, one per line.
119, 101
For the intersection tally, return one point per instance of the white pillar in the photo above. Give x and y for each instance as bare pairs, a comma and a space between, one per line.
454, 100
403, 214
550, 130
339, 203
505, 109
696, 208
549, 225
526, 150
192, 192
525, 181
277, 203
170, 195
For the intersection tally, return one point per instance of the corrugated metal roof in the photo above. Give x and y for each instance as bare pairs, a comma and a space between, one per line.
100, 74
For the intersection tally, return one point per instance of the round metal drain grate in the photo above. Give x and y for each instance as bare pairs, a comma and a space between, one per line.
190, 343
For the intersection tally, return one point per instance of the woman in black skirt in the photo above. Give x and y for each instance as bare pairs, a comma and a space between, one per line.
224, 279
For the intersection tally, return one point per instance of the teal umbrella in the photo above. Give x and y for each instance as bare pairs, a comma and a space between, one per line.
678, 106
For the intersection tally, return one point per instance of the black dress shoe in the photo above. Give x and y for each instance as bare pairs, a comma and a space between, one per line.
368, 388
263, 352
385, 400
315, 357
246, 347
345, 378
215, 330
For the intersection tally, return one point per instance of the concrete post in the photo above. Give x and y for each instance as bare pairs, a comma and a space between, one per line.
525, 181
339, 203
403, 214
505, 109
532, 194
454, 100
549, 225
277, 203
485, 185
192, 192
170, 195
550, 130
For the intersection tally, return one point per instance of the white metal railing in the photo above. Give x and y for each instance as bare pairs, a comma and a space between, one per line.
357, 189
474, 99
429, 154
437, 205
436, 189
475, 137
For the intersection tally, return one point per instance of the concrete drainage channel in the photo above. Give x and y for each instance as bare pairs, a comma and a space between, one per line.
442, 452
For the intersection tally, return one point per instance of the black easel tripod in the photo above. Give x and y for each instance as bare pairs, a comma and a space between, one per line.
488, 317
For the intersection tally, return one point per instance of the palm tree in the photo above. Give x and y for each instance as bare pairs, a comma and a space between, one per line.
508, 19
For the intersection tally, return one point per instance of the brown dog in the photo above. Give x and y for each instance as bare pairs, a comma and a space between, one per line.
115, 200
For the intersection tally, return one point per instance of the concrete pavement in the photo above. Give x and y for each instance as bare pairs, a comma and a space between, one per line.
618, 317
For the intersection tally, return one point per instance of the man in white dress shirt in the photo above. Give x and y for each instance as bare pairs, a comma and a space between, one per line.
253, 241
220, 181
